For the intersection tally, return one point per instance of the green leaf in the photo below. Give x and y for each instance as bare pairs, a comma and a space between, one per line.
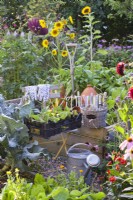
84, 196
127, 195
120, 130
75, 193
39, 179
60, 193
128, 189
114, 172
36, 190
97, 32
102, 52
110, 103
126, 107
98, 196
97, 37
122, 115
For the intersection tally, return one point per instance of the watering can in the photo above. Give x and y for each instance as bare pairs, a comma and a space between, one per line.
80, 160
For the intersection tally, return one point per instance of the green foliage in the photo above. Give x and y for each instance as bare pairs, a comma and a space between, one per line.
45, 189
56, 114
14, 139
121, 7
114, 53
22, 63
42, 8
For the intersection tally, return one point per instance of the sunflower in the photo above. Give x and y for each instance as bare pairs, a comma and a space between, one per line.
72, 35
71, 19
42, 23
86, 10
54, 52
64, 53
45, 43
54, 32
58, 25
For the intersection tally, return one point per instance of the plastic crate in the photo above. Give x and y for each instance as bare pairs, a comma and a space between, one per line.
51, 128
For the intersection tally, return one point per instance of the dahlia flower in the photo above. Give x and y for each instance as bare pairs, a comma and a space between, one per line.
34, 26
130, 93
120, 68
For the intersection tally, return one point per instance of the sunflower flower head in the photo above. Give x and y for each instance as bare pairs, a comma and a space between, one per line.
64, 53
54, 52
71, 19
42, 23
35, 27
86, 10
54, 32
58, 25
45, 43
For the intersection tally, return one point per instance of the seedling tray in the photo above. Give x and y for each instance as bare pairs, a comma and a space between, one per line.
50, 129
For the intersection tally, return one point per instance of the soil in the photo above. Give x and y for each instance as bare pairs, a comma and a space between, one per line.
50, 167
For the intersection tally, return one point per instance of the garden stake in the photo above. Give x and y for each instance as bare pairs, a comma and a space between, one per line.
71, 48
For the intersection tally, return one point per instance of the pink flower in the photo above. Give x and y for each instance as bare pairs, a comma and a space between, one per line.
130, 93
127, 143
14, 25
129, 153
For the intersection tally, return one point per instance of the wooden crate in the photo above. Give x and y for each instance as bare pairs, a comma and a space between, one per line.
82, 135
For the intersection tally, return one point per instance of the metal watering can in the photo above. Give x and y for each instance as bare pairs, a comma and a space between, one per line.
81, 161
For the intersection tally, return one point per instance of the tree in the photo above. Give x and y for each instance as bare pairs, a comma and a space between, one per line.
121, 8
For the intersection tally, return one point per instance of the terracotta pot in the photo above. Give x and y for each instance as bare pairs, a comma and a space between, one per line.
88, 91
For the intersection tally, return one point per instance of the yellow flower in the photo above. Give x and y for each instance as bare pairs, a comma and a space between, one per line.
72, 35
54, 32
8, 172
86, 10
58, 25
64, 53
62, 167
16, 170
45, 43
81, 171
54, 52
64, 21
42, 23
71, 19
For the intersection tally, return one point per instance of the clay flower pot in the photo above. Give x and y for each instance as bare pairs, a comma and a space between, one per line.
87, 92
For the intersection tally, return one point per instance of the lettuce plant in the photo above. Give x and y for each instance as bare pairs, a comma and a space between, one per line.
44, 189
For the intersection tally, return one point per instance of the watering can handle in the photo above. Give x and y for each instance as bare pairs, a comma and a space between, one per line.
78, 144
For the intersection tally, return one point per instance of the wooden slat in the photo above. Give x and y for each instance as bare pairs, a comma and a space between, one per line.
13, 100
54, 95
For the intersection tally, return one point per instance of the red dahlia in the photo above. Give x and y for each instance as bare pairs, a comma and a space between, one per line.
130, 93
120, 68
